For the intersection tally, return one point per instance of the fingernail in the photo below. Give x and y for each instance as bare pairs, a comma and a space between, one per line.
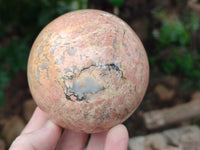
49, 124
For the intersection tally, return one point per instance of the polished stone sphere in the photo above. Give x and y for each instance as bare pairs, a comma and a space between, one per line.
88, 70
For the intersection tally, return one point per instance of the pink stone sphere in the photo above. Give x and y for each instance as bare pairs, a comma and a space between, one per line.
88, 70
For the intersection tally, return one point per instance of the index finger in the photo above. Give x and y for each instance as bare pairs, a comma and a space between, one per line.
38, 119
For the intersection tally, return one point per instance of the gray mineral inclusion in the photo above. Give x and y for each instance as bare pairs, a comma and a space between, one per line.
90, 86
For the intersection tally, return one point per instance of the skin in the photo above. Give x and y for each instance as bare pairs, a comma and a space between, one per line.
39, 129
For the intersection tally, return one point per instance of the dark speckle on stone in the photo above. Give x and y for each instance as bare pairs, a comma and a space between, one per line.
43, 66
41, 49
74, 68
126, 110
66, 70
38, 75
70, 50
114, 67
52, 50
85, 115
80, 57
68, 96
62, 58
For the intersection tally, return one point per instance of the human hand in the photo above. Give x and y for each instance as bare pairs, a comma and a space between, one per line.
42, 134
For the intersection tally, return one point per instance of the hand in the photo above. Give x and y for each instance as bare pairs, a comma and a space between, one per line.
42, 134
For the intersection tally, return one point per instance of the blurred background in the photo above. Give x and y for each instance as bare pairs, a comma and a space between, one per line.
170, 32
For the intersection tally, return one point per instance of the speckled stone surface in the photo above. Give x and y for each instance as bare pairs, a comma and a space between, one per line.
88, 70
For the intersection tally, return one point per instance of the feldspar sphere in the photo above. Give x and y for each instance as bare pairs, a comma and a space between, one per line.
88, 70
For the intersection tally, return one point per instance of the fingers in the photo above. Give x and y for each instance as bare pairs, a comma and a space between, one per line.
38, 119
44, 138
117, 138
97, 141
42, 134
72, 140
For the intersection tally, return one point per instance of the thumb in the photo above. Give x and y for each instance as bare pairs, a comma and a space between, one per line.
44, 138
